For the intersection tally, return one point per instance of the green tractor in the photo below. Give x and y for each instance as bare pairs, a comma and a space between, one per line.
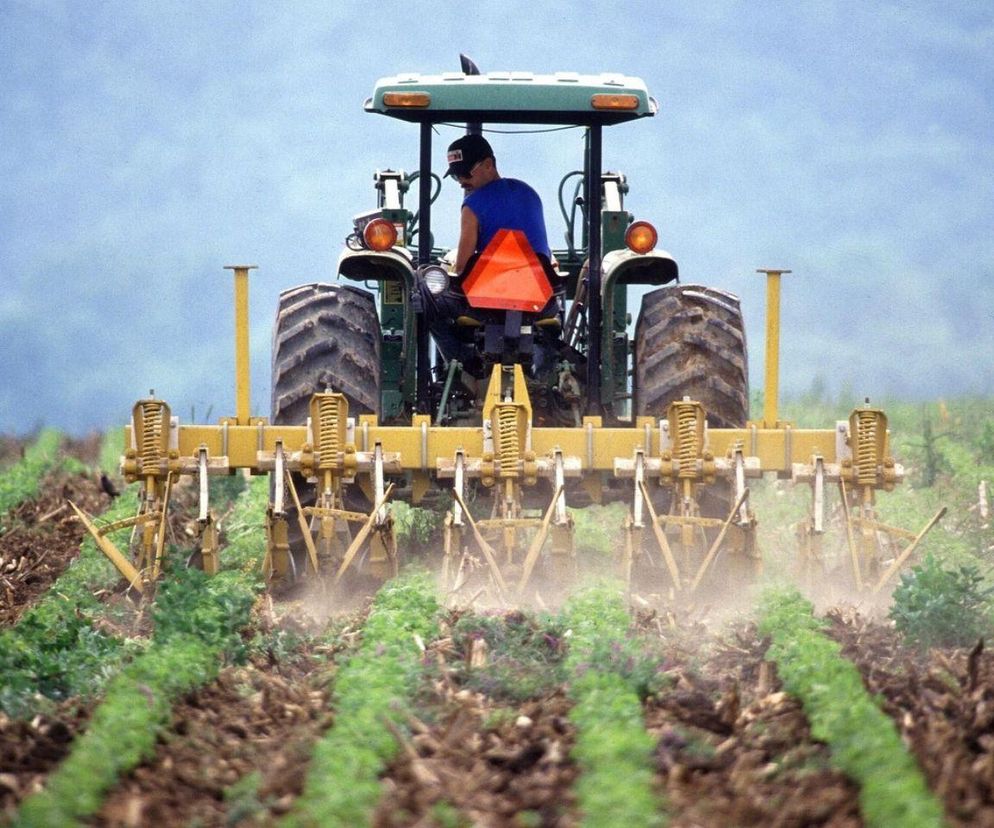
375, 347
372, 343
556, 405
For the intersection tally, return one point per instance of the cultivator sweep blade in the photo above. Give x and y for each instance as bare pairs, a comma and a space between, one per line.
684, 469
329, 458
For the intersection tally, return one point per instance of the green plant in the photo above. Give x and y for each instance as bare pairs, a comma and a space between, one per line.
242, 800
612, 747
863, 741
938, 606
55, 651
225, 490
374, 685
22, 480
211, 608
596, 530
446, 815
122, 732
524, 654
414, 525
198, 622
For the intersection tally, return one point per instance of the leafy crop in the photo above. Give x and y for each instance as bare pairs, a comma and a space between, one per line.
375, 685
612, 748
863, 741
415, 526
21, 481
524, 654
123, 730
197, 624
55, 651
937, 606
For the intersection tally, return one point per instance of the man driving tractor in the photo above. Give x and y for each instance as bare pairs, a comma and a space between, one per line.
492, 203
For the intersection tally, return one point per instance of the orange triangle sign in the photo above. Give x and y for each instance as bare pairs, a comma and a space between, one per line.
508, 276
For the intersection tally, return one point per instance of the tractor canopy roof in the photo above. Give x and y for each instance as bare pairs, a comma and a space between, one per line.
513, 97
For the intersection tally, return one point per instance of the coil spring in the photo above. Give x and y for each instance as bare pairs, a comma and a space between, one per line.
328, 440
687, 449
508, 448
151, 440
865, 460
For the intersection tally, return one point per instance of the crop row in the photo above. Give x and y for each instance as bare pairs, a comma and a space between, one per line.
21, 481
613, 748
863, 740
56, 650
373, 688
197, 627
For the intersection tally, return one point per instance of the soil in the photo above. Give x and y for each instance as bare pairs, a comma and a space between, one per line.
29, 750
41, 537
733, 750
263, 718
943, 705
491, 762
730, 747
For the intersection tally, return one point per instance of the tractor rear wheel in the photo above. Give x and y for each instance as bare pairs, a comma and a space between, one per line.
690, 341
325, 337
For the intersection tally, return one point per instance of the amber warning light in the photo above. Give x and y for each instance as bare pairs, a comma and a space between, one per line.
605, 101
380, 235
407, 99
641, 237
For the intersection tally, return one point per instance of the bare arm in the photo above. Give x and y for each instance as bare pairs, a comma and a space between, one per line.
469, 232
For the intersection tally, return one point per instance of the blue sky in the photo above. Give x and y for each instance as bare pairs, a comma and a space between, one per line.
146, 145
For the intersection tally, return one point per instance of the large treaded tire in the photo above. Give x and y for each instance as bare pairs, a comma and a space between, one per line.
690, 341
325, 336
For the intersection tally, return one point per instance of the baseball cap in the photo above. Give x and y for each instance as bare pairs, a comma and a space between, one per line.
466, 152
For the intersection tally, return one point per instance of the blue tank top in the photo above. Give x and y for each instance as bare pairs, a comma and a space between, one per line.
509, 204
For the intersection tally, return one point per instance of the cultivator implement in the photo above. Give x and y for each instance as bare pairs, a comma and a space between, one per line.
859, 474
686, 485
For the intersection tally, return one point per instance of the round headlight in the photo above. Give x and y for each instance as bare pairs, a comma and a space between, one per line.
436, 278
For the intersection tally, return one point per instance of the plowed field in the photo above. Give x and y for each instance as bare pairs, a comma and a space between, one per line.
487, 731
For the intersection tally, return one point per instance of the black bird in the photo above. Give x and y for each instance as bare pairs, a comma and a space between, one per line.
107, 485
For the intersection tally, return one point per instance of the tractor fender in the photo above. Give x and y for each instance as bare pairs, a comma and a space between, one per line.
394, 265
626, 267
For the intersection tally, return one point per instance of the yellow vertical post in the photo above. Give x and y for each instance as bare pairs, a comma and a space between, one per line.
771, 390
242, 381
